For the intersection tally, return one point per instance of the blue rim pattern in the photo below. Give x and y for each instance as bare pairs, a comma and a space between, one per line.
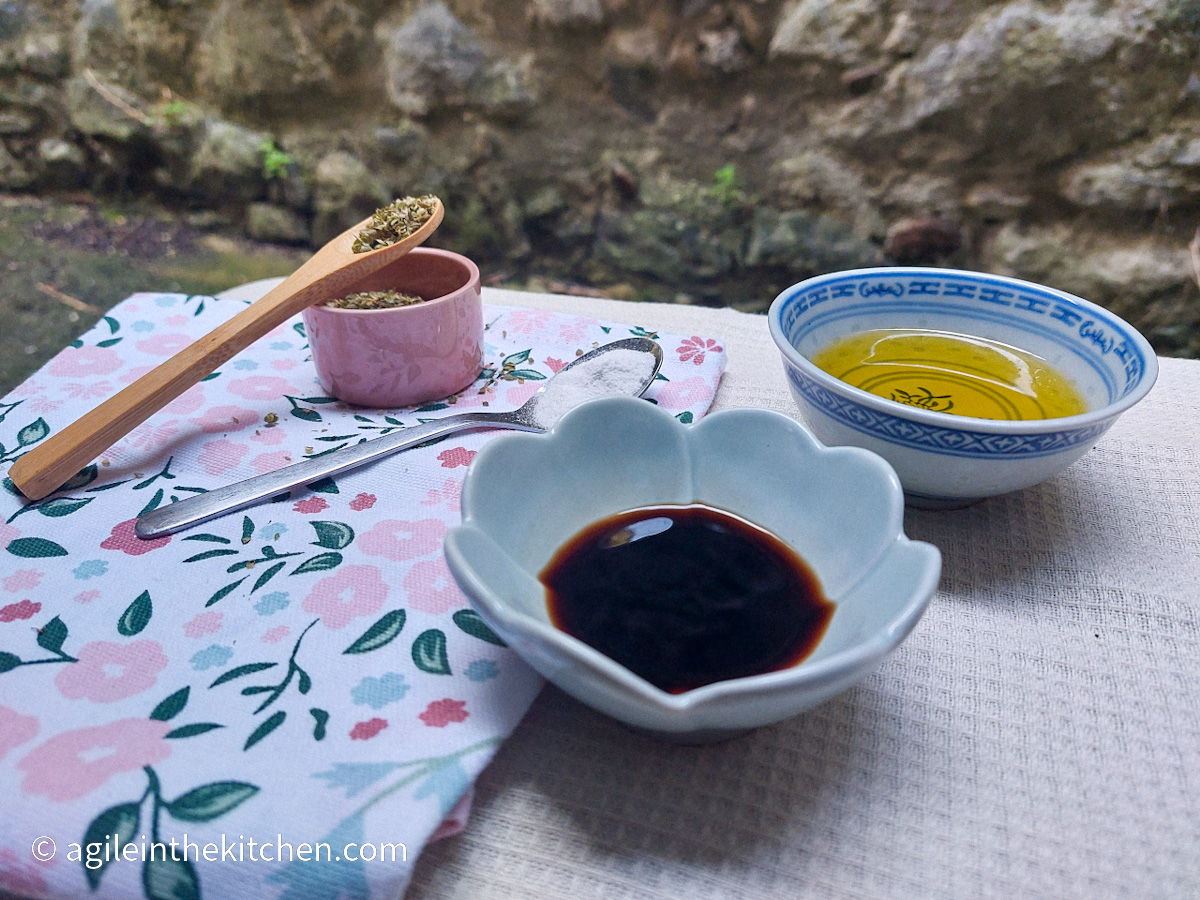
944, 441
1087, 333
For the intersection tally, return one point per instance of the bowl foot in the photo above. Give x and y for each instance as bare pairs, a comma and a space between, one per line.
927, 501
703, 736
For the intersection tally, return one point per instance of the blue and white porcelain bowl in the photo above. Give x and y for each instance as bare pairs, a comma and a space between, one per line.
840, 509
945, 460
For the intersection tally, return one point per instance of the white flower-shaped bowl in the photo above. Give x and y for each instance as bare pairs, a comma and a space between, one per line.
840, 509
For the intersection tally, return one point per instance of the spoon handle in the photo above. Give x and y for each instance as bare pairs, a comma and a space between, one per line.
44, 468
240, 494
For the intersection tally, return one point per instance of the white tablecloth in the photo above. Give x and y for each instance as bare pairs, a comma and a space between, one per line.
1036, 736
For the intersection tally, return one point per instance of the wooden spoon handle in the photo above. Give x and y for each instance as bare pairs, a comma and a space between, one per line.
48, 465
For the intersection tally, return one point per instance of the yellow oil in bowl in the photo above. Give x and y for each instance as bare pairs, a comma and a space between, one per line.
952, 373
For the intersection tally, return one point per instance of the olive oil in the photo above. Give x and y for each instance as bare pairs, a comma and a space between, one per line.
952, 373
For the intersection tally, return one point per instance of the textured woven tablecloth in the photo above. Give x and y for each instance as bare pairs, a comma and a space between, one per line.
1036, 736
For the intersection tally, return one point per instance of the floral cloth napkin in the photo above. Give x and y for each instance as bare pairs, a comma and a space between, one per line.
295, 695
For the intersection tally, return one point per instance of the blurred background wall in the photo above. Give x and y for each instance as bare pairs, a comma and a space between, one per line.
697, 151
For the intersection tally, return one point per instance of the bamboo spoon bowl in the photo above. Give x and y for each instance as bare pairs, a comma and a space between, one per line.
324, 276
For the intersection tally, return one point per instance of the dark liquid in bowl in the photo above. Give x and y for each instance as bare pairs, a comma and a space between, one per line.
685, 596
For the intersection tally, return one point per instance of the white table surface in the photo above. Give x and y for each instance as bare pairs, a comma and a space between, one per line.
1038, 734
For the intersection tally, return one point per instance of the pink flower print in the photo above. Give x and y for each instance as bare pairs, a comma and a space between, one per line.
108, 672
310, 505
694, 348
283, 364
82, 362
73, 764
224, 419
362, 501
355, 591
441, 713
15, 729
456, 456
132, 375
364, 731
259, 387
556, 365
8, 534
204, 623
176, 321
124, 539
431, 588
86, 596
82, 390
576, 331
218, 457
152, 437
394, 539
43, 405
268, 436
15, 612
519, 393
163, 344
186, 403
683, 393
269, 462
19, 877
23, 580
527, 321
276, 634
448, 493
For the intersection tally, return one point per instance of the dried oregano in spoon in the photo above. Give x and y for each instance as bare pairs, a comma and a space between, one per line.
394, 222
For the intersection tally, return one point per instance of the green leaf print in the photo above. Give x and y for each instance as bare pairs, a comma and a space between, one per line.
187, 731
117, 823
469, 621
207, 802
320, 719
224, 592
264, 729
239, 671
82, 478
52, 634
8, 661
247, 529
211, 554
33, 432
380, 634
267, 576
164, 878
35, 548
109, 342
324, 486
171, 706
429, 652
318, 563
63, 506
333, 535
137, 616
207, 538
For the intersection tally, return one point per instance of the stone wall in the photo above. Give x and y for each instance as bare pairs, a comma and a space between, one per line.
694, 150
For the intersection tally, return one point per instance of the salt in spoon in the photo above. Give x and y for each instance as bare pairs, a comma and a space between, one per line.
324, 276
624, 367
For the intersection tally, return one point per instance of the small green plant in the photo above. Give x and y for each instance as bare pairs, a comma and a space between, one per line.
725, 186
275, 162
173, 113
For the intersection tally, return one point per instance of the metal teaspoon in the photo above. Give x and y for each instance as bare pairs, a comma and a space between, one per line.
202, 507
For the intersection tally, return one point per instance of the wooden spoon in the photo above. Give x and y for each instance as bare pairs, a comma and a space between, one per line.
326, 275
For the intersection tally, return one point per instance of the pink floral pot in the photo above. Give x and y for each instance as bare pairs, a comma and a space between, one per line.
411, 354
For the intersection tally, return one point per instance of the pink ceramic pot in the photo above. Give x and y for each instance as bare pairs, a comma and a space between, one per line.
411, 354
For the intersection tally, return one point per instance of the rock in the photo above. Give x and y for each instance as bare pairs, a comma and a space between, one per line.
818, 180
15, 175
342, 33
64, 165
841, 34
344, 192
101, 42
227, 164
567, 13
923, 241
1119, 186
255, 50
401, 142
806, 243
430, 60
503, 88
861, 79
996, 204
1117, 271
105, 110
276, 225
904, 39
546, 201
17, 121
722, 49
